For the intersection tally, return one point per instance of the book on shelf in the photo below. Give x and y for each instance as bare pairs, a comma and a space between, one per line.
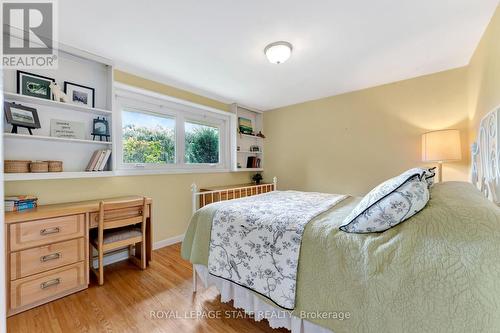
92, 161
20, 202
105, 160
253, 162
98, 160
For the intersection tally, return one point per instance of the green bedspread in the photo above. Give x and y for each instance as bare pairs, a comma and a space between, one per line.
439, 271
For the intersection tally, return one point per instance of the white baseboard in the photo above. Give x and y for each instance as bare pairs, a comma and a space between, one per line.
168, 241
123, 254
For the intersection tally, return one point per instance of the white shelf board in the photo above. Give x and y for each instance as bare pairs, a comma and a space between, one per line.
249, 169
55, 175
250, 136
53, 138
248, 152
45, 102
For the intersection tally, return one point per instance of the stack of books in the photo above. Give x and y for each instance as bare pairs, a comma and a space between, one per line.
98, 160
20, 202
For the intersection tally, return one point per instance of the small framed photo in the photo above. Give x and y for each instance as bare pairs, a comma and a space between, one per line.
100, 129
29, 84
79, 94
255, 148
21, 116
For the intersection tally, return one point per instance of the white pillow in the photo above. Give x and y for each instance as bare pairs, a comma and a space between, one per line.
389, 204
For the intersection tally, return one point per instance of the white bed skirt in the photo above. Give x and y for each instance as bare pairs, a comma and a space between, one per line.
253, 305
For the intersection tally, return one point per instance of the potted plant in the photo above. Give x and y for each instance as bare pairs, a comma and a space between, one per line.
257, 178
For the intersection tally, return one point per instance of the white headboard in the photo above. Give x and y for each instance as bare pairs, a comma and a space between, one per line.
485, 154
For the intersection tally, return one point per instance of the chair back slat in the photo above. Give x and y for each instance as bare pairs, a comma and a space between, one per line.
118, 214
126, 203
122, 213
112, 224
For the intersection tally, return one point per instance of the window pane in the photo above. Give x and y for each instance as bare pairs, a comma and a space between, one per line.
148, 138
202, 143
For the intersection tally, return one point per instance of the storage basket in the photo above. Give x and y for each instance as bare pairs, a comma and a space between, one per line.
39, 166
55, 166
16, 166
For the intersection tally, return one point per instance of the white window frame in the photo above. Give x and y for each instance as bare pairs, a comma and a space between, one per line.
145, 101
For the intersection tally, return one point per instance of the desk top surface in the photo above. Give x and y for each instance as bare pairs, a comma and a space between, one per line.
68, 208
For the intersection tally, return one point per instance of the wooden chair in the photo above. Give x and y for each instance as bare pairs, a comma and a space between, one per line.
119, 227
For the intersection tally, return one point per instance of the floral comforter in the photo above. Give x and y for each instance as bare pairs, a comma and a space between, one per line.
255, 241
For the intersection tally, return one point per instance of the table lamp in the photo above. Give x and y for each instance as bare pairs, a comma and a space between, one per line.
441, 146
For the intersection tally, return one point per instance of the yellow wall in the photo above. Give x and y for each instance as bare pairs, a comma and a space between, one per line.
349, 143
484, 75
171, 193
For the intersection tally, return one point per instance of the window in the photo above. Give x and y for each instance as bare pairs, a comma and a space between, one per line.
201, 143
162, 134
147, 138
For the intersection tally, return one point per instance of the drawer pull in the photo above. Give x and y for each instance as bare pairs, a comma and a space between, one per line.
52, 256
50, 283
49, 231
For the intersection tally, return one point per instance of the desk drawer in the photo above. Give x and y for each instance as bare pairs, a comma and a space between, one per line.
37, 289
43, 258
46, 231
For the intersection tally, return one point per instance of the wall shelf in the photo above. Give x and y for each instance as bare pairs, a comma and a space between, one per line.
55, 175
248, 169
249, 136
242, 154
73, 66
52, 138
249, 152
12, 97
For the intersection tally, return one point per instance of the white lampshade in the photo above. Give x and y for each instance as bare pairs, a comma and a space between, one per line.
278, 52
441, 146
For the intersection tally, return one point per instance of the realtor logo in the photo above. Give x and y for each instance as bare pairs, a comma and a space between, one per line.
29, 34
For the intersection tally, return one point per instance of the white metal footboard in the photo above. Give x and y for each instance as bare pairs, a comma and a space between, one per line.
200, 199
204, 198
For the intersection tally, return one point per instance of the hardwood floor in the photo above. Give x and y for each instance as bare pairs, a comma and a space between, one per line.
125, 302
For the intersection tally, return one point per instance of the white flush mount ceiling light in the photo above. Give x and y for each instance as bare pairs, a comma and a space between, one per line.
278, 52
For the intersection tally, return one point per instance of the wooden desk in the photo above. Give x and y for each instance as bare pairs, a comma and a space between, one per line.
47, 251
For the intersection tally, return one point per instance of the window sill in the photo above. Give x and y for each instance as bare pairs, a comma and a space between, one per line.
142, 172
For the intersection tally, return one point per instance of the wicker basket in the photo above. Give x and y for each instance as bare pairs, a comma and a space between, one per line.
16, 166
55, 166
39, 166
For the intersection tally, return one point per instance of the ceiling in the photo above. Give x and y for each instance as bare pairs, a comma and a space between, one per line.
215, 48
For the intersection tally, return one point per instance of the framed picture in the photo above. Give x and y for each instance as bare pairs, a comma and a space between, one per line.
29, 84
245, 125
255, 148
100, 128
79, 94
21, 116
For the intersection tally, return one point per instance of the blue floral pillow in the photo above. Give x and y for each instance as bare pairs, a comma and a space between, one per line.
390, 203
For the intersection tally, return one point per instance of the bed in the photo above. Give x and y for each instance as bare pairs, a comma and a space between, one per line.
437, 272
